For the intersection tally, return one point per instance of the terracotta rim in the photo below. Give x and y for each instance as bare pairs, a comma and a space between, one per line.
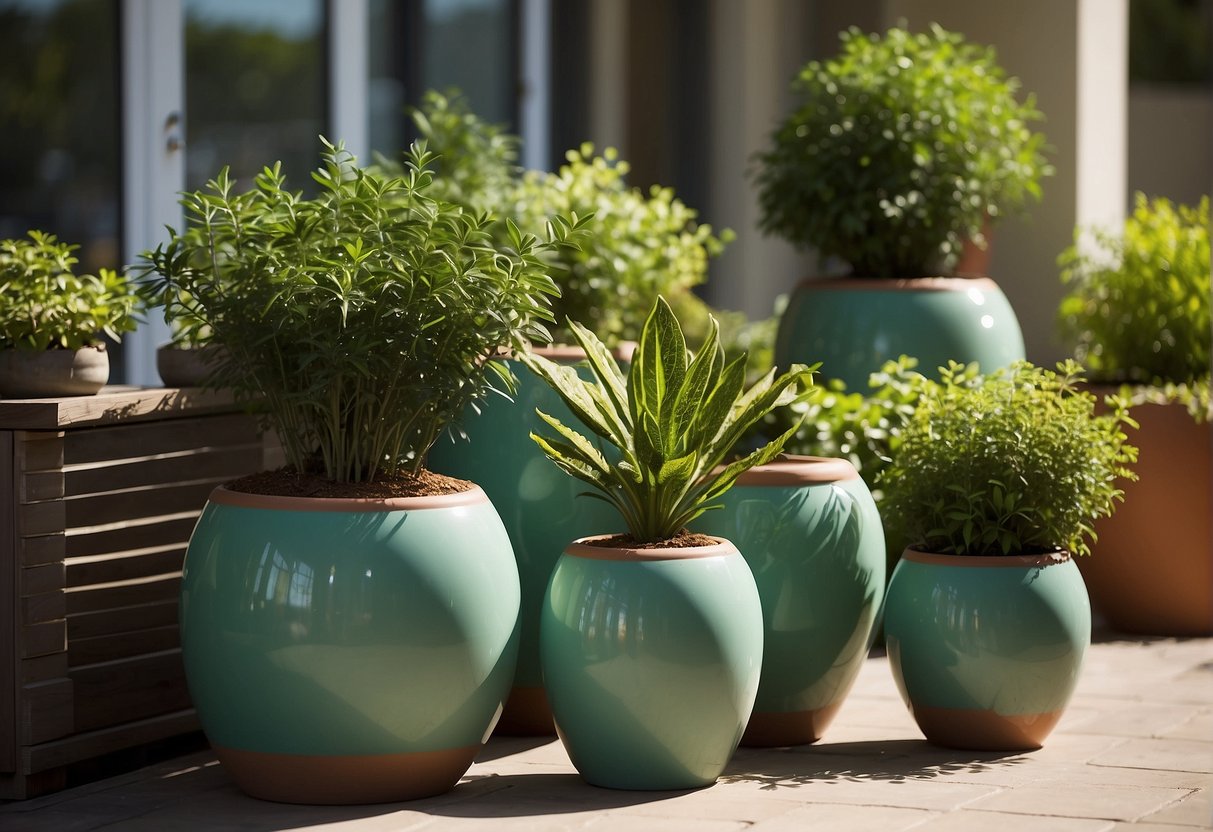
956, 283
988, 561
791, 469
773, 729
984, 730
526, 714
240, 499
580, 549
568, 353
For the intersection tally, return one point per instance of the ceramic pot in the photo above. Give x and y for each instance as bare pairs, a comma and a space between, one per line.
651, 659
186, 366
1151, 569
854, 325
348, 651
986, 650
539, 505
38, 374
809, 530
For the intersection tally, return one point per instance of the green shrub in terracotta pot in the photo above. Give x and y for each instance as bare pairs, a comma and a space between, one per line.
997, 480
349, 623
903, 147
651, 641
52, 319
1137, 313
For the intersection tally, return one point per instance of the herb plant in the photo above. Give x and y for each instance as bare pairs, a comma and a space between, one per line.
1008, 463
673, 421
1138, 303
363, 317
905, 144
44, 304
640, 247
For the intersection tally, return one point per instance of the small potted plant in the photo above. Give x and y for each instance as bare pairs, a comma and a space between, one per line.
997, 481
348, 623
1137, 313
651, 641
904, 147
52, 319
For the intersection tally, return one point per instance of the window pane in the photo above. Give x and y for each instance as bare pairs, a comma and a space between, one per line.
255, 88
60, 167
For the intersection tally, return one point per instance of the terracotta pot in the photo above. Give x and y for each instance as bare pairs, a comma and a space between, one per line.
1151, 570
37, 374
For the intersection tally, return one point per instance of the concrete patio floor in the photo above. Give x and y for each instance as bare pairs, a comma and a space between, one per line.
1134, 751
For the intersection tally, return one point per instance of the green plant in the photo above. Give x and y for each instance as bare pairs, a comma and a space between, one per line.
904, 146
44, 304
1016, 461
363, 317
640, 246
1138, 303
674, 421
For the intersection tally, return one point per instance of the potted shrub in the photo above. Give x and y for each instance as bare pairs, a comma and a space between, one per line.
905, 145
637, 247
1137, 313
651, 641
52, 319
997, 481
349, 623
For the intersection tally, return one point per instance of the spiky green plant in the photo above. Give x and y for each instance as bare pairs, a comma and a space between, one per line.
674, 421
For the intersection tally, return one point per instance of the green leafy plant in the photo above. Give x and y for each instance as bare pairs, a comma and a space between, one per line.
1138, 303
1016, 461
905, 144
45, 305
674, 421
364, 317
639, 247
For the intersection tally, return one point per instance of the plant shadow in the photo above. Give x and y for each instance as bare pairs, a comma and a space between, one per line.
861, 762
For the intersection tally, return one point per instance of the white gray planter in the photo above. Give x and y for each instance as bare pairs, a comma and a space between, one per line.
36, 374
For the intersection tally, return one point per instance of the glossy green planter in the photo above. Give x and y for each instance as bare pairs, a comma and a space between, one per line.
348, 651
809, 529
854, 325
651, 659
986, 650
539, 506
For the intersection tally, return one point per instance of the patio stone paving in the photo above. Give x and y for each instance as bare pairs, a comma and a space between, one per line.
1133, 752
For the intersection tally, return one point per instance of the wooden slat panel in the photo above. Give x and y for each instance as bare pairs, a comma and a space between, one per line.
113, 404
125, 594
127, 689
131, 441
36, 580
225, 463
43, 668
95, 743
132, 536
123, 645
41, 639
125, 568
47, 711
10, 629
40, 485
40, 518
122, 620
38, 450
49, 606
47, 548
127, 505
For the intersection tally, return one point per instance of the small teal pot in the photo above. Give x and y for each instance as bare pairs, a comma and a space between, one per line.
540, 507
986, 650
348, 651
809, 530
854, 325
651, 659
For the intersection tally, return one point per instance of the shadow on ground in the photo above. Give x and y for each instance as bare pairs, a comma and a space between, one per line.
858, 762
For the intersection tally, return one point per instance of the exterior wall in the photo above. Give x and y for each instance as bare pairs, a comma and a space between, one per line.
1171, 142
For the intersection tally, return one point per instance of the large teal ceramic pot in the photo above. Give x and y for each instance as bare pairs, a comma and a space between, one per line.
651, 659
854, 325
348, 651
986, 650
539, 505
809, 529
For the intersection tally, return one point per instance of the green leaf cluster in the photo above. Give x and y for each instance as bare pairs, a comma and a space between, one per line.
364, 317
1138, 303
640, 246
1016, 461
44, 304
904, 146
674, 421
